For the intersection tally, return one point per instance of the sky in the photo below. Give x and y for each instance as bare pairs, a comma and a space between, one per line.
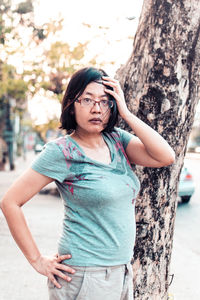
112, 15
111, 32
91, 11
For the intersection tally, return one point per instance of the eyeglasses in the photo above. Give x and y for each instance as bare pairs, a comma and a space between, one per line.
90, 103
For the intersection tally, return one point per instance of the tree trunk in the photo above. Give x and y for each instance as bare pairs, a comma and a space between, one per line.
161, 85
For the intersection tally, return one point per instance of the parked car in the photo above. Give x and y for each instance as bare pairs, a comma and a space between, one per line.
186, 185
38, 147
194, 145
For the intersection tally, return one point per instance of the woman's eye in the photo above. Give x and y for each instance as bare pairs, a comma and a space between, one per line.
87, 100
104, 102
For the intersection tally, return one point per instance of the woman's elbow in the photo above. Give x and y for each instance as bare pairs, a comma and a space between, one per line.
169, 159
6, 205
3, 204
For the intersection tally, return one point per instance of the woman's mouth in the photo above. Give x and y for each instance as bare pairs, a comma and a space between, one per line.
95, 121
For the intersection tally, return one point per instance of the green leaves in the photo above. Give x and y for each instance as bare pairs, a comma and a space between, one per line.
10, 85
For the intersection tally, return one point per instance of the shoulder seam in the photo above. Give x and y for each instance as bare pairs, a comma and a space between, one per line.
54, 142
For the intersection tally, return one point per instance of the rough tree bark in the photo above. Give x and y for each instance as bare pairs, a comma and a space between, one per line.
161, 85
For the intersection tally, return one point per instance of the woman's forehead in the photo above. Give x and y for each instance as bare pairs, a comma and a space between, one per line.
95, 88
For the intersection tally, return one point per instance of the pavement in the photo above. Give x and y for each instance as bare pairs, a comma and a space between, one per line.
18, 280
185, 264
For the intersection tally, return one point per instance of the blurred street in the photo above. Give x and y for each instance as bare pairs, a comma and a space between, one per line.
185, 263
19, 281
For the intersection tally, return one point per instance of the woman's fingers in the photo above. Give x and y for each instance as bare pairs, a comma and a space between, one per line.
63, 257
111, 82
62, 275
107, 78
58, 267
117, 93
54, 281
65, 268
114, 85
61, 266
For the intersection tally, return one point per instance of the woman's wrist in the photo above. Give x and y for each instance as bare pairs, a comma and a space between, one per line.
126, 115
35, 259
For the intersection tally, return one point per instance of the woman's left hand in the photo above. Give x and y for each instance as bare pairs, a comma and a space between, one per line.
118, 94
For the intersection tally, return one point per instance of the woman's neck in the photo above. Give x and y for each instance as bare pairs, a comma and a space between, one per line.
88, 140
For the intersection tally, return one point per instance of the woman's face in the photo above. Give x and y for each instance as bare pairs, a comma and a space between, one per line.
91, 117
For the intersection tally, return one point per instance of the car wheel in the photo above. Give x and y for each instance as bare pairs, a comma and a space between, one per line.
185, 199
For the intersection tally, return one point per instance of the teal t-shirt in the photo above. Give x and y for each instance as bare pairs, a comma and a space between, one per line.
99, 200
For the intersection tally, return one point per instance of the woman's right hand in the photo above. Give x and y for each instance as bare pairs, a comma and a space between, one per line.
52, 266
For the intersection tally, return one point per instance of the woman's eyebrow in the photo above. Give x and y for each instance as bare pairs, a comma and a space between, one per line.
91, 94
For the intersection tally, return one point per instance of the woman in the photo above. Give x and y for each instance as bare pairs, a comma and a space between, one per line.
91, 168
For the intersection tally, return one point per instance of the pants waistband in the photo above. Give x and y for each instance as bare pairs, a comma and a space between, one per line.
97, 269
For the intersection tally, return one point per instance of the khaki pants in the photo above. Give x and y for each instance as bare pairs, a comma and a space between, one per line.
95, 283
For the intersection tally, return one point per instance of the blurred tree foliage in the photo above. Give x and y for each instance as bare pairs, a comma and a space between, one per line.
63, 62
49, 69
12, 86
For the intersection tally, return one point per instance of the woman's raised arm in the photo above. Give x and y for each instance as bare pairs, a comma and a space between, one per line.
148, 148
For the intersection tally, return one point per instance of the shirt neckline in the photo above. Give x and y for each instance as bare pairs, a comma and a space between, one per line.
110, 147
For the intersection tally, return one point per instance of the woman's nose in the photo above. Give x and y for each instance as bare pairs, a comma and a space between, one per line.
96, 107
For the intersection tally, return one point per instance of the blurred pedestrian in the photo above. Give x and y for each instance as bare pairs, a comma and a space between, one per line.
3, 154
91, 167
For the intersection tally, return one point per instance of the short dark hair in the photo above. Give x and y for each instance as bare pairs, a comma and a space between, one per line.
75, 88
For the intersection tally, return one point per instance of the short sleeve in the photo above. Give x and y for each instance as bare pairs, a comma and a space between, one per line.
51, 162
125, 137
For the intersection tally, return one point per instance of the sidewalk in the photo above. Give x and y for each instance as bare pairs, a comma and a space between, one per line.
19, 281
7, 177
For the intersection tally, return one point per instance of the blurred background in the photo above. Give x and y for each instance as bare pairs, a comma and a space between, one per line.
42, 43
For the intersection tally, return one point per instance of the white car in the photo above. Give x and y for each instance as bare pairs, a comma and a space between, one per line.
38, 147
186, 185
